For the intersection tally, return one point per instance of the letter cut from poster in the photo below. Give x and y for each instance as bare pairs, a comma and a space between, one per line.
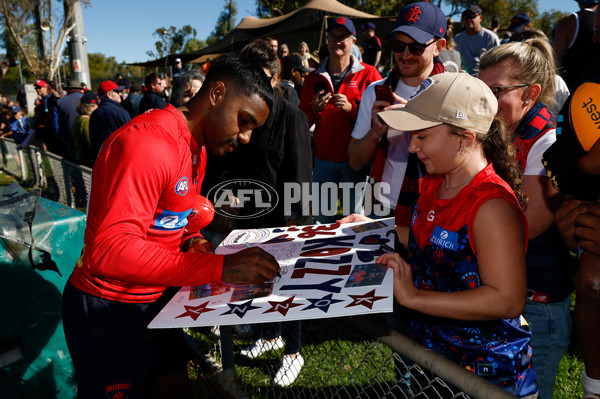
326, 271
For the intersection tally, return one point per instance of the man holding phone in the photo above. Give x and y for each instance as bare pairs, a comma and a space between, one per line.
417, 40
330, 99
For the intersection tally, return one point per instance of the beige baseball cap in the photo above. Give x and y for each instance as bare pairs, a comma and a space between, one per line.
457, 99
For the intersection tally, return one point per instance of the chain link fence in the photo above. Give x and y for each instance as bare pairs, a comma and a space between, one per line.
344, 358
61, 181
352, 357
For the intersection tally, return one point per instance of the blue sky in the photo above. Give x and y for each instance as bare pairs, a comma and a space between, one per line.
123, 28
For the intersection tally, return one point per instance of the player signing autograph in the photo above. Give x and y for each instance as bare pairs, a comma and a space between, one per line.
144, 186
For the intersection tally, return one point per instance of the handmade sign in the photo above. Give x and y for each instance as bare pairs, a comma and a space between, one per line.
326, 271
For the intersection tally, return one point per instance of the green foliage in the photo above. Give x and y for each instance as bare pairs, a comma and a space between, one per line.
547, 21
171, 40
225, 22
381, 8
193, 45
384, 8
102, 68
502, 9
275, 8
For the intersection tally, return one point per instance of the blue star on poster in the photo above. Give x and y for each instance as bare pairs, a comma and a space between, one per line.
282, 307
195, 311
366, 300
322, 303
240, 310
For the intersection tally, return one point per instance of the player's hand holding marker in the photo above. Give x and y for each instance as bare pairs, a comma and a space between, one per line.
249, 266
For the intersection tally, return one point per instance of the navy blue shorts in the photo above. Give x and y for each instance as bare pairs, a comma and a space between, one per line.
112, 349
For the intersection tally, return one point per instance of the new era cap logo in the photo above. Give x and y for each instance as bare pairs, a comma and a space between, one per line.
412, 15
460, 114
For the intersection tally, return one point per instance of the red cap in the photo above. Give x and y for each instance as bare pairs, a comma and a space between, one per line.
108, 85
40, 83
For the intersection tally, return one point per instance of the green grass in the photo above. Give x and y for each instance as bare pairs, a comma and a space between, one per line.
568, 380
6, 179
346, 361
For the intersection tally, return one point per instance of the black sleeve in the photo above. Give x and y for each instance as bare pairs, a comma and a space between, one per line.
297, 165
560, 160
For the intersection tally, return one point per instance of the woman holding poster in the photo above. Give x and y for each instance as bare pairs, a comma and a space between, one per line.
464, 279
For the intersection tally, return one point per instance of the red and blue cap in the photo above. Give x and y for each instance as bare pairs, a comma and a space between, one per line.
89, 97
422, 21
344, 22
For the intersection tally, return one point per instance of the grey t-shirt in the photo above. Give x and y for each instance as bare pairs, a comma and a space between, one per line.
471, 47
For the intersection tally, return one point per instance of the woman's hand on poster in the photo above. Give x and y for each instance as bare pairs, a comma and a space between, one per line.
404, 287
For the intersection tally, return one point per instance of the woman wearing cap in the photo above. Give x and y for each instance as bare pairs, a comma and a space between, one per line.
521, 75
464, 277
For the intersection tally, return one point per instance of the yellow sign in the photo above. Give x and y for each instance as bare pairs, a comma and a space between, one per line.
585, 114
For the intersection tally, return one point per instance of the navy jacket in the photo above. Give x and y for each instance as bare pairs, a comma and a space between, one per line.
106, 119
152, 100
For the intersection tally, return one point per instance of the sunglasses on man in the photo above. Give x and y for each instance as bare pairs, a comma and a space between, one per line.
415, 48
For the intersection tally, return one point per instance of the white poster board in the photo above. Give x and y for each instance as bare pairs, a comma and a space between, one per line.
326, 271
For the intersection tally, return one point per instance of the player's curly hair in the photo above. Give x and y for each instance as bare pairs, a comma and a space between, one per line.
245, 75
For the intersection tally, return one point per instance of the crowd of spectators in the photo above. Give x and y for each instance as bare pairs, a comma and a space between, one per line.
335, 120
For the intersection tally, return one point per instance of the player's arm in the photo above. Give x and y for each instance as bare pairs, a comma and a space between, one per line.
563, 36
543, 201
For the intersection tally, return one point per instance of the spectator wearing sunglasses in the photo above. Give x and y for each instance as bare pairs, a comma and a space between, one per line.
417, 40
521, 76
475, 39
154, 96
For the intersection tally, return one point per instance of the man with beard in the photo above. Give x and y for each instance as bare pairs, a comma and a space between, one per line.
417, 40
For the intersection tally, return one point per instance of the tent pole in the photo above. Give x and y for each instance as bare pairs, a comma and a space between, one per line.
323, 29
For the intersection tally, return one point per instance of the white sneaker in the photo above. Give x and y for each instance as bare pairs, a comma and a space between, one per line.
288, 370
215, 332
261, 346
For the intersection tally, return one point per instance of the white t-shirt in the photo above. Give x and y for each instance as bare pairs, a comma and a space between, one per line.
398, 142
562, 93
534, 166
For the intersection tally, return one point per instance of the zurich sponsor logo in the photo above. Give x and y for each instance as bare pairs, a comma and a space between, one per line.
243, 198
182, 186
444, 238
169, 220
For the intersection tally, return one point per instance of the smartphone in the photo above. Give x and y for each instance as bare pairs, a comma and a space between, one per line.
384, 93
321, 85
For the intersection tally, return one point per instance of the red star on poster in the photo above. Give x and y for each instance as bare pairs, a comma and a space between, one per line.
366, 300
282, 307
195, 311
